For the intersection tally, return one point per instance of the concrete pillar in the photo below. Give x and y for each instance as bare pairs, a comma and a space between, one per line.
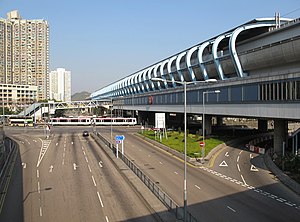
208, 125
219, 120
263, 125
139, 118
280, 135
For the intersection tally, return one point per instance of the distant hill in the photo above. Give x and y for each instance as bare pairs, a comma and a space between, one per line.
80, 96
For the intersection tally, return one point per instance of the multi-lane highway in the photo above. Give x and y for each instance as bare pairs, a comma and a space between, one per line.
236, 187
67, 177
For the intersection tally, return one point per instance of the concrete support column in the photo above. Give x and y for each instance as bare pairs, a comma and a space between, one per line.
219, 120
280, 135
208, 125
139, 119
263, 125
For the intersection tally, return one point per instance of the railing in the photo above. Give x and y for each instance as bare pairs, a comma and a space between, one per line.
5, 156
9, 157
153, 187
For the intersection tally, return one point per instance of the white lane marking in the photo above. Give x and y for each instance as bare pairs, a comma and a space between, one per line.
238, 166
37, 173
51, 168
94, 181
41, 213
34, 141
44, 148
64, 154
259, 191
226, 154
63, 162
253, 168
231, 209
197, 187
64, 145
106, 218
100, 164
89, 168
240, 152
175, 172
39, 188
290, 204
56, 144
84, 152
160, 163
223, 164
72, 142
86, 159
82, 148
100, 199
281, 200
243, 180
238, 158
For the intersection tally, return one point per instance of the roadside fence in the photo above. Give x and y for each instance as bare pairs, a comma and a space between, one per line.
152, 186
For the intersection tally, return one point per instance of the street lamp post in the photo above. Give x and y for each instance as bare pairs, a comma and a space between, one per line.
111, 143
203, 120
184, 83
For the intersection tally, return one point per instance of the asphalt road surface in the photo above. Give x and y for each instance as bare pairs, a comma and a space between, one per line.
67, 177
236, 187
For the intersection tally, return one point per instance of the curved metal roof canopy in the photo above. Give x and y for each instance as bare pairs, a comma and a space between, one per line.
193, 64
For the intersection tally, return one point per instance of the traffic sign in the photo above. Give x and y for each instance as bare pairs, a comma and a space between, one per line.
202, 144
120, 137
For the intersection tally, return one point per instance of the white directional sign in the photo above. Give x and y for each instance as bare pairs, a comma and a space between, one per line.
120, 137
160, 120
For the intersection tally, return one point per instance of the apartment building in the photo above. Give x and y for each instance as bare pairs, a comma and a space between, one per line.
16, 97
60, 85
24, 53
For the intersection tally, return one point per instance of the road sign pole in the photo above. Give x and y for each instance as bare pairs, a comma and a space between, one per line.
122, 147
117, 150
202, 145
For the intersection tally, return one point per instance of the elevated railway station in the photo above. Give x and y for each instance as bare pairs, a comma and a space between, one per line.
257, 68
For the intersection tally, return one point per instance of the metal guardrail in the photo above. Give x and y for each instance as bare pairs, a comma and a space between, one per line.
171, 205
9, 147
6, 169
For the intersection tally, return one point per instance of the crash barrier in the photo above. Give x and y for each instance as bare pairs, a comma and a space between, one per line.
256, 149
152, 186
9, 153
5, 157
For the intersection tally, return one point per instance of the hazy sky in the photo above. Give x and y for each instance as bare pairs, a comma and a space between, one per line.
101, 41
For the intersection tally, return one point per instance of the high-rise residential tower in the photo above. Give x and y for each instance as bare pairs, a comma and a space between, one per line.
24, 53
60, 85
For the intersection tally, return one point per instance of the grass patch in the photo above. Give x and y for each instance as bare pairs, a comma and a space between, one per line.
176, 141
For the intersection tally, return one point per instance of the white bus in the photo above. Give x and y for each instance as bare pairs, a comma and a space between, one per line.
20, 121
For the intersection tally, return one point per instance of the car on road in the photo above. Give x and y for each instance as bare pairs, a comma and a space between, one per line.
85, 133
